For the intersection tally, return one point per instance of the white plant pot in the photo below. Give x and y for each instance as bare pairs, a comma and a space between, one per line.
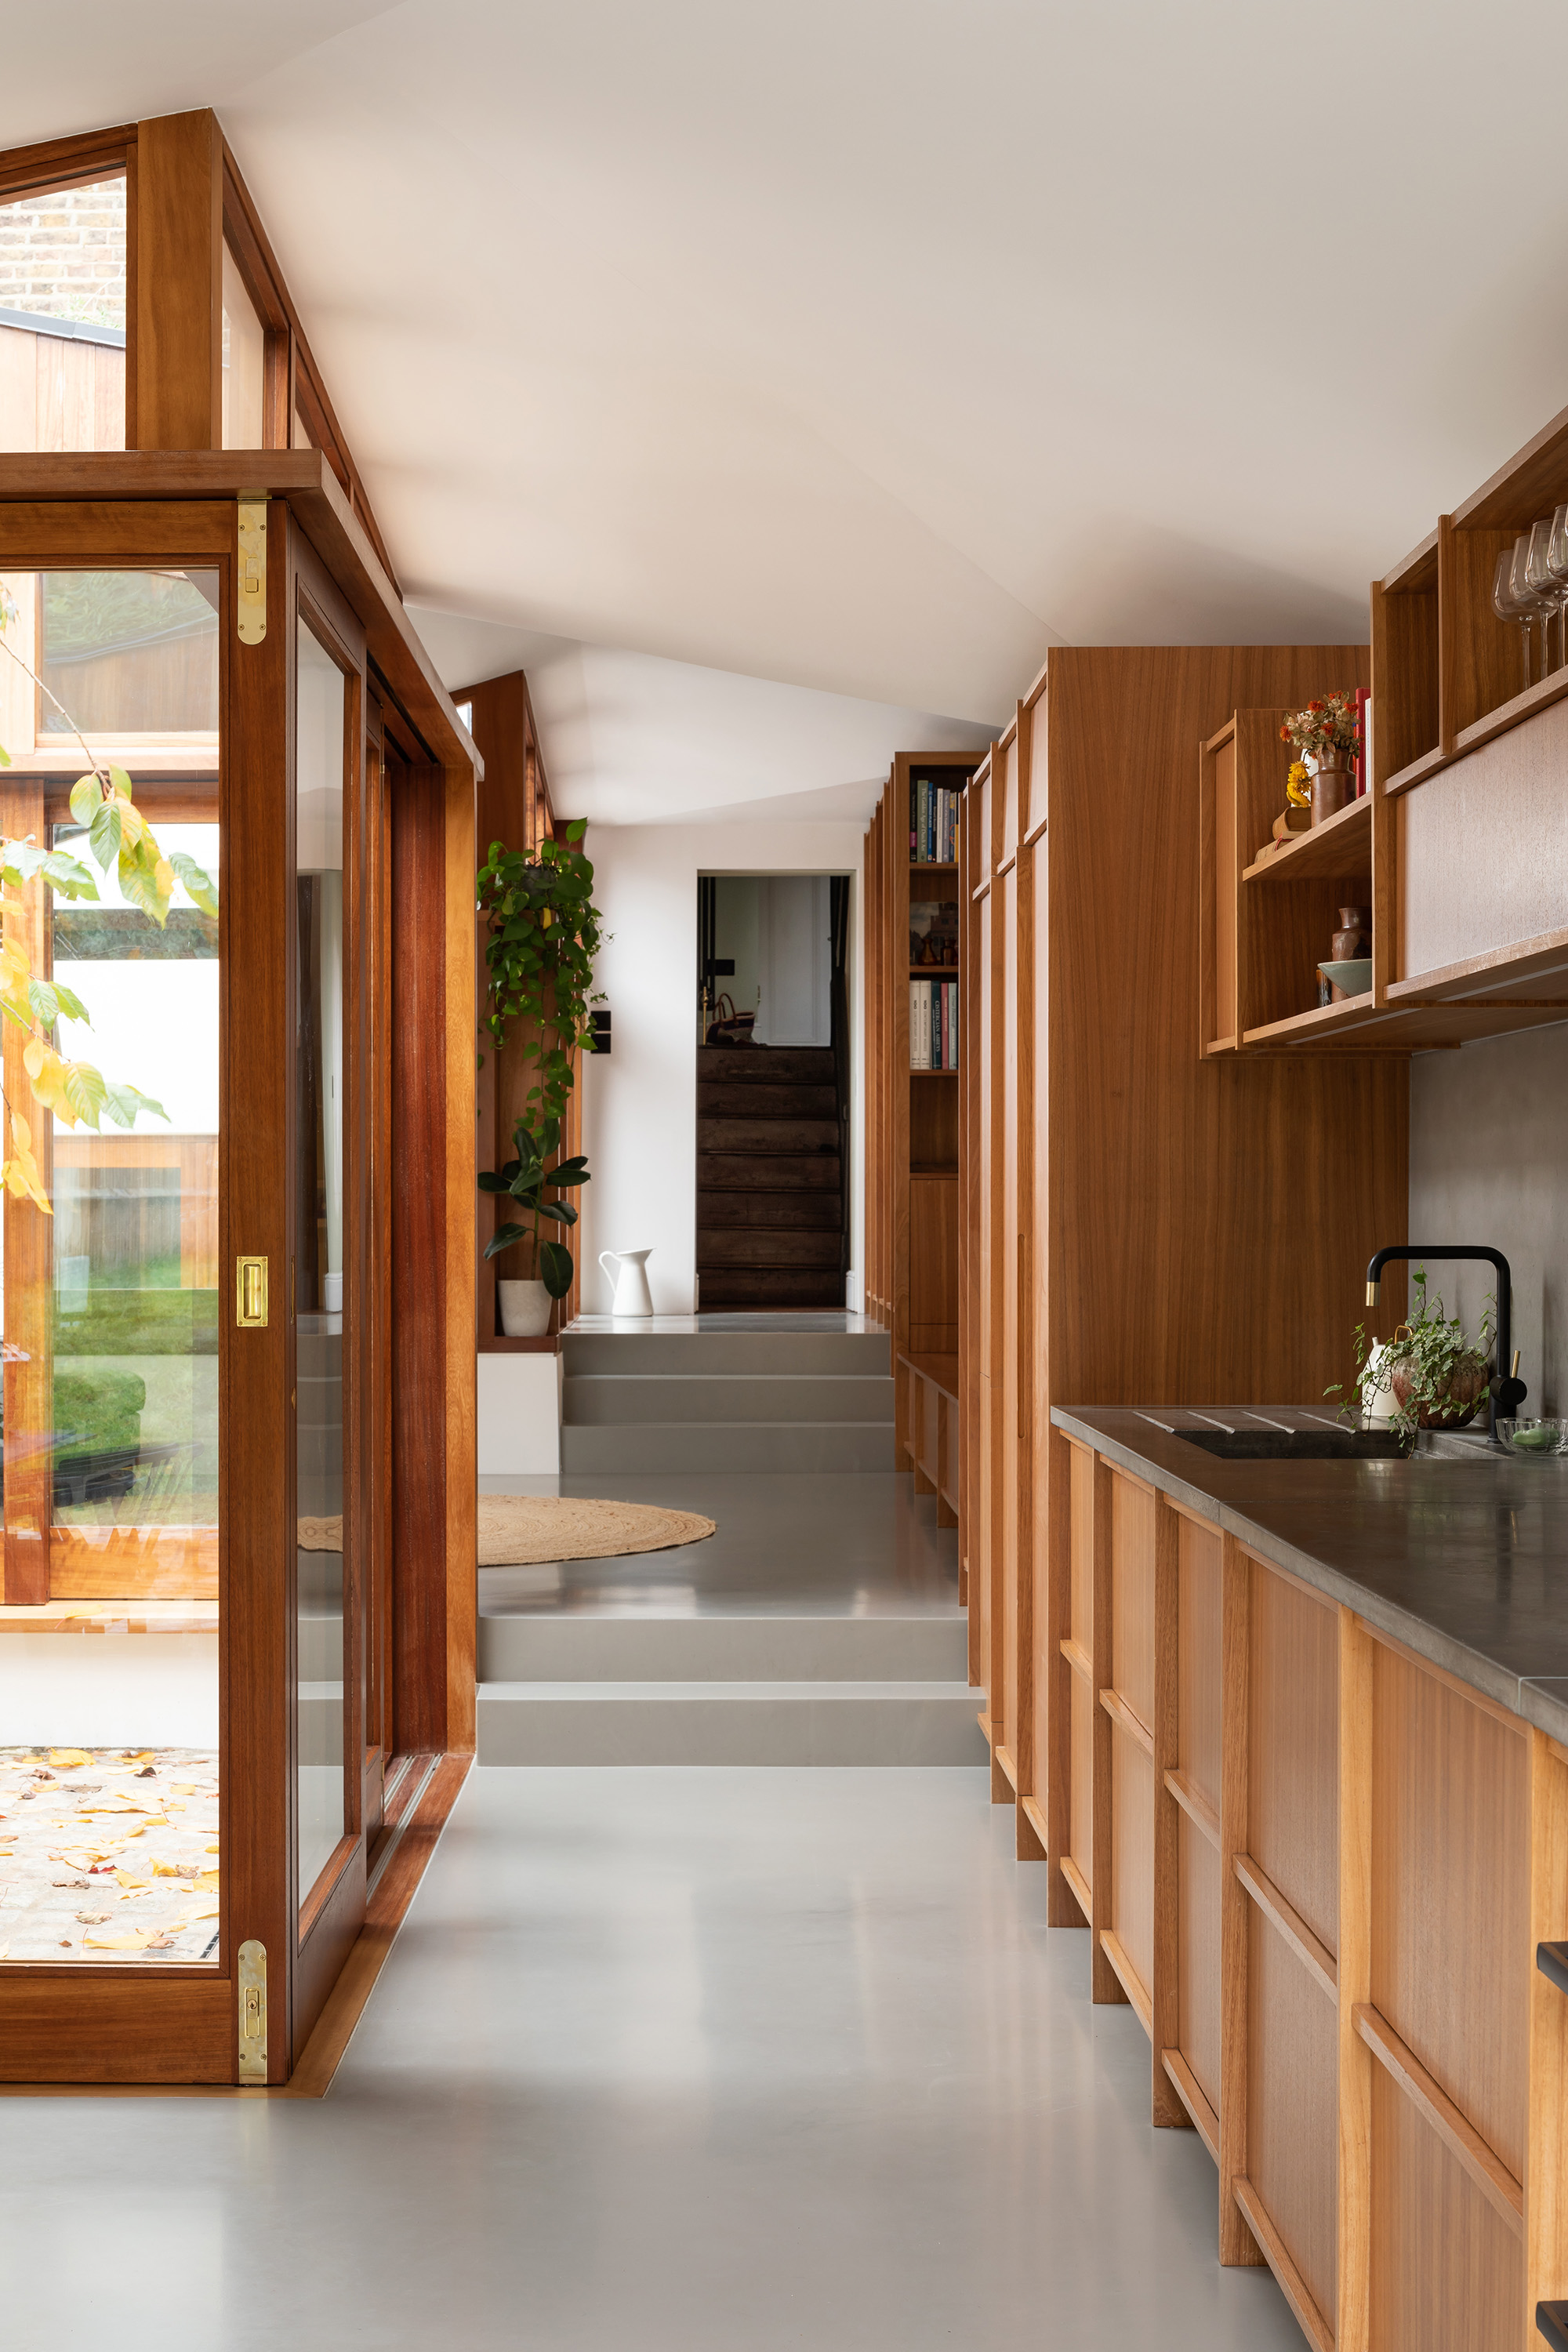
1378, 1401
524, 1309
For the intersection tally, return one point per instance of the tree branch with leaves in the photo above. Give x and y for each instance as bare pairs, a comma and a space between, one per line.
120, 840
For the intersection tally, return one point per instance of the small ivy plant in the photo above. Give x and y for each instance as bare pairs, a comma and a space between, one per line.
1434, 1370
542, 936
523, 1179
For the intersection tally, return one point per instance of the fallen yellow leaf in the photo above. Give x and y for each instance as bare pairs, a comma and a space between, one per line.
203, 1911
137, 1941
70, 1756
210, 1878
124, 1878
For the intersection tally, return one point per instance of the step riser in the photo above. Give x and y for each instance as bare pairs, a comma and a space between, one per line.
759, 1171
602, 1400
779, 1249
745, 1212
552, 1648
810, 1138
819, 1729
724, 1352
717, 1100
763, 1286
737, 1446
766, 1065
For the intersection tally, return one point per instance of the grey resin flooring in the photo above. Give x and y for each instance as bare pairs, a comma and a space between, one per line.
834, 1543
666, 2061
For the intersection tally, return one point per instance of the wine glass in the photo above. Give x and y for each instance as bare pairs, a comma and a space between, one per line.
1530, 605
1557, 566
1504, 606
1540, 576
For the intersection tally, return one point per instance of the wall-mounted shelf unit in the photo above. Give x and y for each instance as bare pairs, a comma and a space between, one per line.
911, 1140
1467, 816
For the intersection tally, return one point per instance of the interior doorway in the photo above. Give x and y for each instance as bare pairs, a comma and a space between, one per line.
772, 1090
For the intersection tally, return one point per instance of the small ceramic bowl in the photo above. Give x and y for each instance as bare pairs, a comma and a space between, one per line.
1354, 976
1547, 1436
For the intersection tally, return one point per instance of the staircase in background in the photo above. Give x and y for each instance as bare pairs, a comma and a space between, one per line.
762, 1399
770, 1215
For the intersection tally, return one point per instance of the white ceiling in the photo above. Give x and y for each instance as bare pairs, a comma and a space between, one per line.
868, 346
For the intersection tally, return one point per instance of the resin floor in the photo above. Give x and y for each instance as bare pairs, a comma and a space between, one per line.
848, 1543
675, 2060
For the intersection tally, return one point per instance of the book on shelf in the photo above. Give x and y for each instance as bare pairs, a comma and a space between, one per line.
933, 1025
933, 822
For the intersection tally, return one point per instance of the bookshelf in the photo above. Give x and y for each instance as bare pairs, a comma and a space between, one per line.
913, 907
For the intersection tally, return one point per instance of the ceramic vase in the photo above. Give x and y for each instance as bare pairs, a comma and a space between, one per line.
1354, 937
1333, 785
524, 1309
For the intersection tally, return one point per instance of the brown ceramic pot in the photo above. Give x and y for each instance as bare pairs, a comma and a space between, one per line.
1354, 937
1467, 1392
1331, 786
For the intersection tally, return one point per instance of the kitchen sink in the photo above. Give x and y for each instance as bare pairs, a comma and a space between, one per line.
1298, 1444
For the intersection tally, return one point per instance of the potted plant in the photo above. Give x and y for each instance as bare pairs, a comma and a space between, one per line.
1325, 732
525, 1301
1437, 1377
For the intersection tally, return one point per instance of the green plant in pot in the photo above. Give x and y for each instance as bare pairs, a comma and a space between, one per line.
525, 1179
1438, 1376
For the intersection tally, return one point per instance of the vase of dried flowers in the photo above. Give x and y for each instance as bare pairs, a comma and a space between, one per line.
1327, 734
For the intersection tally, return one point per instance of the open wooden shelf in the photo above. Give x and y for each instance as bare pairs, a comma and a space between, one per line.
931, 865
1321, 1019
1342, 845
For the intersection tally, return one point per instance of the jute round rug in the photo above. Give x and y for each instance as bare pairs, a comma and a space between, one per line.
519, 1530
516, 1530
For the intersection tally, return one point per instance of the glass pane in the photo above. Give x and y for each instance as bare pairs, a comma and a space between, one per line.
320, 707
129, 655
109, 1774
243, 363
62, 320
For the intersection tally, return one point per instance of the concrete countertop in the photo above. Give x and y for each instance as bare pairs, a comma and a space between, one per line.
1464, 1560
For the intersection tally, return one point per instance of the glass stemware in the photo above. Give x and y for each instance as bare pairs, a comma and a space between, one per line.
1557, 568
1505, 606
1540, 577
1528, 604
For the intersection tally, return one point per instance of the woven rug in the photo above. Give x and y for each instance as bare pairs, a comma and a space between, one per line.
517, 1530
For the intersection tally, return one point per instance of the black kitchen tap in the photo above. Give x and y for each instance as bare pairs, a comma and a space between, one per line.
1507, 1392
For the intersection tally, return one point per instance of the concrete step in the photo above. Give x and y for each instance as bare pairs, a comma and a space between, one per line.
600, 1399
565, 1647
775, 1352
800, 1445
730, 1723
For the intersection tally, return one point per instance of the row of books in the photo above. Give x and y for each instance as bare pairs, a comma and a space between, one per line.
933, 822
933, 1025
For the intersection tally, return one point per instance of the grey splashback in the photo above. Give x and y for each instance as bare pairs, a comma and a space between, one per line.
1489, 1162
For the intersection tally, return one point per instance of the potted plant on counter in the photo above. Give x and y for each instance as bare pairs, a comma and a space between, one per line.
1437, 1377
525, 1301
1327, 734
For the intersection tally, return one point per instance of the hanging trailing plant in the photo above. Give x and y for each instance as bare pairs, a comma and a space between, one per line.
542, 935
119, 837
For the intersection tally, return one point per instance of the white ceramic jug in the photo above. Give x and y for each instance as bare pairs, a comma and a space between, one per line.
633, 1295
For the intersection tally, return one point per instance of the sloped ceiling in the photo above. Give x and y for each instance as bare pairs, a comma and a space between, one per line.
868, 346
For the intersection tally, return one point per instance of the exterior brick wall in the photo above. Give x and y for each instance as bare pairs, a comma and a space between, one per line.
63, 255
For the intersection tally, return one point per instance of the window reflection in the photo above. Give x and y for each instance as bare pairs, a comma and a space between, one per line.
320, 757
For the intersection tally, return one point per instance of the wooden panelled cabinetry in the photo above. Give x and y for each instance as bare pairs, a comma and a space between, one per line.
1317, 1867
912, 1113
1466, 821
1137, 1213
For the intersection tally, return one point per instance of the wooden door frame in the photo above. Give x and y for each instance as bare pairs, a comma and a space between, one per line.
119, 2024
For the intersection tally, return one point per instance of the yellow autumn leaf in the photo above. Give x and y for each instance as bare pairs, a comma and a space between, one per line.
65, 1757
129, 1878
211, 1879
137, 1941
167, 1869
184, 1788
21, 1171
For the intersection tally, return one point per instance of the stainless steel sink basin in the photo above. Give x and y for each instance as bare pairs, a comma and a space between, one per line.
1298, 1444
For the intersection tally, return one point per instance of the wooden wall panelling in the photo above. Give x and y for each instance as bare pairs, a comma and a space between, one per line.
1292, 1774
1405, 670
1450, 1843
179, 282
1194, 1783
1546, 2152
969, 1062
1166, 2106
1028, 1511
1071, 1786
1481, 657
1353, 2325
1219, 870
1236, 2243
1057, 1677
1005, 1419
1105, 1985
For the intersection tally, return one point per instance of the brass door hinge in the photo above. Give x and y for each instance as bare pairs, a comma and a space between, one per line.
252, 591
252, 2011
250, 1292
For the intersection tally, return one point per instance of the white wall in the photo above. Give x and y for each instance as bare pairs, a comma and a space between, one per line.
639, 1106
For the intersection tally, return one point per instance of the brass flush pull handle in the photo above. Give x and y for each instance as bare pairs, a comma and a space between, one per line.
250, 1292
252, 2011
251, 591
